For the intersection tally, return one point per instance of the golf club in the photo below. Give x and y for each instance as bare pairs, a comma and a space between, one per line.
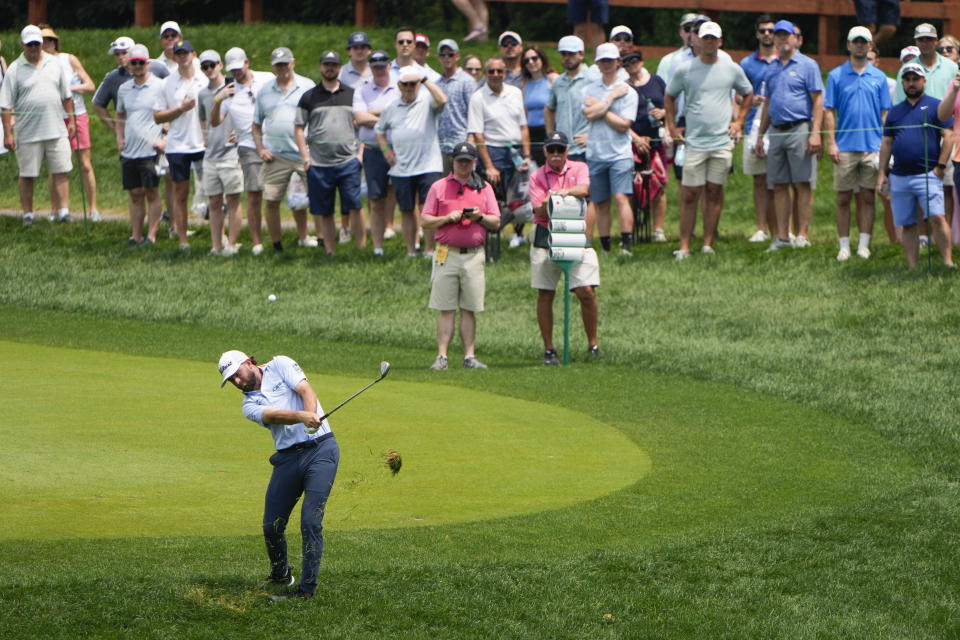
384, 369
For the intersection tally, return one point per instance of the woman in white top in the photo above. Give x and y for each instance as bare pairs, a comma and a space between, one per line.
80, 83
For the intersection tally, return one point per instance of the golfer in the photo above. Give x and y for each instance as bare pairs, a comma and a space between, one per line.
279, 397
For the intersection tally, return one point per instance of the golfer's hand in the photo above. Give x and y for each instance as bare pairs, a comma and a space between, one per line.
310, 420
758, 100
493, 175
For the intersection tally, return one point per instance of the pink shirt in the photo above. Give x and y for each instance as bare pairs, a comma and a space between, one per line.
545, 180
449, 194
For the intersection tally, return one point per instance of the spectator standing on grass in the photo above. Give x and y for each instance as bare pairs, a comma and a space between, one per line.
222, 175
497, 125
327, 142
461, 208
710, 135
757, 65
273, 122
459, 88
140, 141
413, 149
32, 88
177, 105
893, 232
610, 105
563, 177
856, 103
919, 159
510, 45
80, 83
170, 34
239, 99
793, 113
647, 130
369, 101
357, 71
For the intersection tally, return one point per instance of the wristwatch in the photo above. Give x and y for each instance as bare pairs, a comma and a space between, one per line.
940, 165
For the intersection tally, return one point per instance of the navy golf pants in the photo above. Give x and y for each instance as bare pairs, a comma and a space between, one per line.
308, 472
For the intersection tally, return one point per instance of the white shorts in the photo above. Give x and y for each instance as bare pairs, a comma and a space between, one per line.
545, 274
222, 177
30, 156
701, 167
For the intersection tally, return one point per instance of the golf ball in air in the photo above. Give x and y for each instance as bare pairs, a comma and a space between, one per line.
271, 298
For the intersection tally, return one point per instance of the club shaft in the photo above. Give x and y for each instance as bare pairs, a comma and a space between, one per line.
324, 417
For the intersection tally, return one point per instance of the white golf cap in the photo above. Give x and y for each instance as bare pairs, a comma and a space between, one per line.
409, 73
913, 67
620, 29
123, 43
170, 25
234, 58
607, 51
710, 29
509, 34
906, 52
138, 52
448, 43
859, 32
230, 361
31, 34
925, 30
209, 55
570, 44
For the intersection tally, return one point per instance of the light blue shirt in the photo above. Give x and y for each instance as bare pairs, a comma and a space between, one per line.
566, 101
604, 143
276, 112
452, 123
414, 140
278, 390
140, 132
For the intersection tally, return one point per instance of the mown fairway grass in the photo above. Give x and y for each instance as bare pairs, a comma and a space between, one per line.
800, 418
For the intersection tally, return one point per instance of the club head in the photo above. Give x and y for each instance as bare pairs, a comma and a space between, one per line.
384, 369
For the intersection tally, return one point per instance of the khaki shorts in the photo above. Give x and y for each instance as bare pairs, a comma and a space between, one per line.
545, 274
250, 163
275, 177
458, 283
30, 155
701, 167
752, 165
222, 177
855, 169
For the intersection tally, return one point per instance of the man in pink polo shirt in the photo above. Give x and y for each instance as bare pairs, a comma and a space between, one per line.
567, 178
461, 208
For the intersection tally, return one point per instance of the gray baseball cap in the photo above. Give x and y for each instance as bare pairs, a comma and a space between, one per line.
281, 55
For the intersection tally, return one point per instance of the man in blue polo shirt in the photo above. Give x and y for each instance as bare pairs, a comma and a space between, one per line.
919, 158
857, 102
279, 397
794, 112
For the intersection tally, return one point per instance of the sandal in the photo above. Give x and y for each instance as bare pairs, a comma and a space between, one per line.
479, 33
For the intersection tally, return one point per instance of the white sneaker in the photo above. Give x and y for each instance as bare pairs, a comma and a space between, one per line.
345, 236
52, 217
94, 216
185, 246
924, 242
389, 234
864, 252
844, 254
707, 250
759, 236
201, 210
659, 235
778, 244
516, 241
27, 219
64, 217
801, 242
428, 255
172, 233
792, 238
309, 241
229, 251
257, 249
214, 252
680, 254
190, 233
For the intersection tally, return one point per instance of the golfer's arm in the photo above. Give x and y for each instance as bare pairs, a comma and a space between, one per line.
287, 416
308, 395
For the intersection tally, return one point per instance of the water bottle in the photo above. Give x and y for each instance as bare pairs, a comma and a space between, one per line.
679, 155
516, 156
755, 124
667, 142
654, 122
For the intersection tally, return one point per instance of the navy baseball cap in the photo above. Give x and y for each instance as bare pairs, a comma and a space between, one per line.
330, 56
379, 58
183, 45
358, 39
464, 151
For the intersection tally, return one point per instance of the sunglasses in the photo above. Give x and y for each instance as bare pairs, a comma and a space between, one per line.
764, 30
945, 50
137, 63
409, 84
495, 72
531, 59
32, 44
49, 39
168, 35
553, 149
687, 28
623, 38
404, 41
208, 65
473, 69
446, 54
509, 44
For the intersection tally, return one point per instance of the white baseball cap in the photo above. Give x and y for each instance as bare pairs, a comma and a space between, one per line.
409, 73
123, 43
607, 51
710, 29
909, 51
509, 34
31, 34
138, 52
170, 25
234, 58
230, 361
620, 29
448, 43
570, 44
859, 32
209, 55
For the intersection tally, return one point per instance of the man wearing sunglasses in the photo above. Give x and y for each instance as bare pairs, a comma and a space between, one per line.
511, 48
170, 34
563, 177
33, 87
107, 91
622, 36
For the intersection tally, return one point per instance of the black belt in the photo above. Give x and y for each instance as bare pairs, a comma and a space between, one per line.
306, 444
468, 249
789, 125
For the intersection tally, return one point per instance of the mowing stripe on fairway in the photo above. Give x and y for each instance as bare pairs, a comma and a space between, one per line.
108, 445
